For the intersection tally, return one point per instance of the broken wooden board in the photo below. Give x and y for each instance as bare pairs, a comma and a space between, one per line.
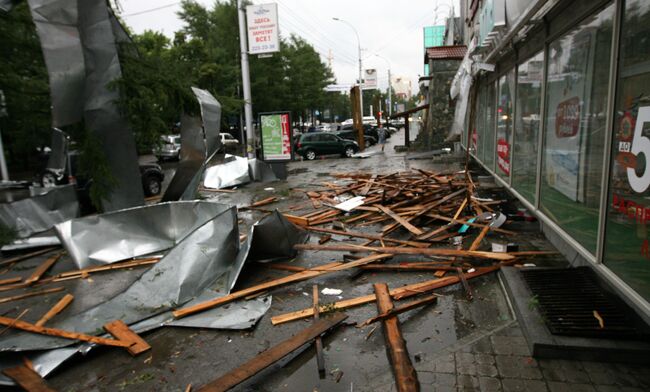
406, 224
409, 251
406, 379
122, 332
30, 294
17, 324
27, 256
307, 274
318, 343
56, 309
400, 309
398, 293
297, 220
41, 269
272, 355
27, 379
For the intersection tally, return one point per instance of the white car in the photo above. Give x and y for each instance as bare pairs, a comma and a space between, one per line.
228, 141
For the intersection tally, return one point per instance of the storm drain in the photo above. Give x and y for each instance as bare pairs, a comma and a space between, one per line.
572, 302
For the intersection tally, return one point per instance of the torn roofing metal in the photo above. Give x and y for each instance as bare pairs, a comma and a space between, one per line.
119, 235
101, 114
274, 238
241, 314
211, 117
38, 213
6, 5
233, 171
199, 142
192, 156
203, 266
56, 25
207, 258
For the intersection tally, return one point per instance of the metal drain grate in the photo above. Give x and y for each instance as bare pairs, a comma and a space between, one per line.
567, 299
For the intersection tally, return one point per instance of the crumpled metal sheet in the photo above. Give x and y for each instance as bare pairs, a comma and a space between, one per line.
58, 159
203, 266
234, 171
274, 238
211, 116
261, 171
199, 142
101, 114
56, 25
48, 207
119, 235
238, 315
207, 259
192, 156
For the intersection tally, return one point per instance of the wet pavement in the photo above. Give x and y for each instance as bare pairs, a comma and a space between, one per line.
454, 344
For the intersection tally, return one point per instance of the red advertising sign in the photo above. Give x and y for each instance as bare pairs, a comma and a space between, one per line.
567, 118
503, 156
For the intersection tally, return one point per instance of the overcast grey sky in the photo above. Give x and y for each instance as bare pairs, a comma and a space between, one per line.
388, 28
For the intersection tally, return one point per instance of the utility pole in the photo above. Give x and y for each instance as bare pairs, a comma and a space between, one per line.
246, 82
390, 96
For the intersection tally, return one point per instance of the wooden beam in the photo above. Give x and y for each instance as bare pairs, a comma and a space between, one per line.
56, 309
297, 220
408, 226
398, 293
41, 269
400, 309
369, 236
122, 332
11, 280
304, 275
27, 379
30, 294
406, 379
61, 333
318, 343
407, 251
272, 355
27, 256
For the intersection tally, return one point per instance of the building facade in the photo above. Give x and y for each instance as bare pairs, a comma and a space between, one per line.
557, 109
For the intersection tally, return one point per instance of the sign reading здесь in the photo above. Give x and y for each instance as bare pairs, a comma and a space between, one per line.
275, 129
263, 34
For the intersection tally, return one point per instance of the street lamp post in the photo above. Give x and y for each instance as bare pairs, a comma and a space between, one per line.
390, 93
360, 65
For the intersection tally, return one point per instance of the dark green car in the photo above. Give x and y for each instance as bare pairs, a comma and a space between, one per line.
313, 144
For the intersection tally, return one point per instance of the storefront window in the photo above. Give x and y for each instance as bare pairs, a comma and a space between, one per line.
504, 123
576, 103
627, 252
490, 110
479, 136
527, 119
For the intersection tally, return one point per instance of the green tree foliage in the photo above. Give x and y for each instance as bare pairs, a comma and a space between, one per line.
23, 79
157, 73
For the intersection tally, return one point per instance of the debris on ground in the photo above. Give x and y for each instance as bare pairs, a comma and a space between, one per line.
427, 221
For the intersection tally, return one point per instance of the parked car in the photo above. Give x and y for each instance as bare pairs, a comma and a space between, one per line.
352, 134
151, 176
227, 140
170, 148
368, 130
310, 145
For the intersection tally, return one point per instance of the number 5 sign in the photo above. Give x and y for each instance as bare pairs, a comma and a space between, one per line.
640, 145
